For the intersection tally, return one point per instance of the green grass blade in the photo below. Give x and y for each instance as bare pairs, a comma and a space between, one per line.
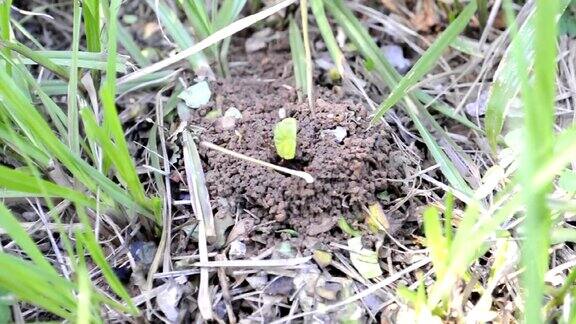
435, 241
86, 60
506, 83
24, 148
37, 286
39, 132
83, 314
91, 14
5, 30
298, 58
197, 16
539, 103
23, 182
36, 57
328, 35
73, 127
427, 61
12, 227
111, 121
227, 13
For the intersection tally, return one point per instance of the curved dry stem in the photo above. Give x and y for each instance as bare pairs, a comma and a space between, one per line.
304, 175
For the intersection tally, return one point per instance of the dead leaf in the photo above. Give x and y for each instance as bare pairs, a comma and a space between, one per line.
364, 260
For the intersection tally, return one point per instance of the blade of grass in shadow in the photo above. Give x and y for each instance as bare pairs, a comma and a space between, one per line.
91, 15
72, 100
298, 58
111, 121
538, 97
5, 30
421, 118
91, 243
307, 54
427, 61
227, 13
506, 84
23, 182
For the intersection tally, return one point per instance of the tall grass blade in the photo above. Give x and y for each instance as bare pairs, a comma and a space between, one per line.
298, 58
91, 14
12, 227
506, 84
25, 183
90, 241
327, 34
73, 127
111, 122
538, 97
36, 286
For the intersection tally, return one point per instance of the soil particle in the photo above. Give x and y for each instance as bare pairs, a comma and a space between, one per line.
348, 173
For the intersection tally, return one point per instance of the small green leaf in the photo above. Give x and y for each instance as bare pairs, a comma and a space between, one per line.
285, 138
346, 228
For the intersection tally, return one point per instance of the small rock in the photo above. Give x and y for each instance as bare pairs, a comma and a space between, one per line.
258, 40
280, 286
226, 123
168, 301
143, 252
339, 133
237, 250
257, 282
395, 56
196, 95
329, 290
233, 112
478, 107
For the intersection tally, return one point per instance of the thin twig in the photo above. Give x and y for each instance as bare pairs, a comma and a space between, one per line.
304, 175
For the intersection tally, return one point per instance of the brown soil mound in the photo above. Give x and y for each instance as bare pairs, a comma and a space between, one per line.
348, 174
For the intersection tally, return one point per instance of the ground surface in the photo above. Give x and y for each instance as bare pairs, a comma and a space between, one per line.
263, 216
349, 174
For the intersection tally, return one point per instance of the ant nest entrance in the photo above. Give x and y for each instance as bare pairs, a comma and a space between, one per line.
351, 163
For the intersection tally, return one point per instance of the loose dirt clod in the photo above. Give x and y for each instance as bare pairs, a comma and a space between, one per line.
349, 168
